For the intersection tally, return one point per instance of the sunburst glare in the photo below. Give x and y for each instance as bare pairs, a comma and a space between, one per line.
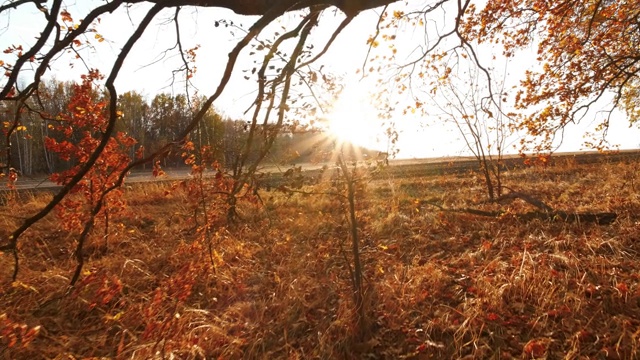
353, 120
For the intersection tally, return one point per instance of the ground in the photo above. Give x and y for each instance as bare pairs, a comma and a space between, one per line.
276, 284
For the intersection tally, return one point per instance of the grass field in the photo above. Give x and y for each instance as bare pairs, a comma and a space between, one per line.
439, 284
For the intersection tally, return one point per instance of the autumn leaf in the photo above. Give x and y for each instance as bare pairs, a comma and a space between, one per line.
66, 16
492, 316
535, 348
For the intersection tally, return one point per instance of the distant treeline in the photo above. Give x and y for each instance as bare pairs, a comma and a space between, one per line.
152, 123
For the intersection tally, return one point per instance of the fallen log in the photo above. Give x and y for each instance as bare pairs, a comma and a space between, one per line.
600, 218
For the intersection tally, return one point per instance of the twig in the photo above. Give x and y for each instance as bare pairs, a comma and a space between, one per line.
528, 198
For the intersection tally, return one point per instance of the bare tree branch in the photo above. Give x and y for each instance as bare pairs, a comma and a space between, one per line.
262, 7
55, 49
15, 4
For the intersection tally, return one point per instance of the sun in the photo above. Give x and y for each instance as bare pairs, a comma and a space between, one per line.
354, 119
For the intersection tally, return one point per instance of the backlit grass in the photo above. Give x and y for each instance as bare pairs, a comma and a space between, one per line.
439, 285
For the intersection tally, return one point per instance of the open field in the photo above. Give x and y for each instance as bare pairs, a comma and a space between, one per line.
399, 167
439, 283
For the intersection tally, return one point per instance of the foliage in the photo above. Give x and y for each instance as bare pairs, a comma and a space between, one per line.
630, 97
79, 129
13, 334
588, 51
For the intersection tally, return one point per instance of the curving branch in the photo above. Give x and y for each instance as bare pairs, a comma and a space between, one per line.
185, 63
56, 49
44, 36
287, 74
333, 37
262, 82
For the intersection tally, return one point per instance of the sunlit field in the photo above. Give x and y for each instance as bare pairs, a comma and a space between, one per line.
440, 282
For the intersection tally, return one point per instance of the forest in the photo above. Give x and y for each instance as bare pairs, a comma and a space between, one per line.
338, 253
150, 123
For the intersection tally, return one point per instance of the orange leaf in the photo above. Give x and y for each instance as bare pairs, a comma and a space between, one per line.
535, 348
622, 287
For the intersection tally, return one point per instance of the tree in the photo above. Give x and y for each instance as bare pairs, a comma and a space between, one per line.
485, 129
210, 132
589, 53
135, 117
85, 120
26, 141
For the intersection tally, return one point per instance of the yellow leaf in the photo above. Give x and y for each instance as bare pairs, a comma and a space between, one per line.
23, 285
115, 317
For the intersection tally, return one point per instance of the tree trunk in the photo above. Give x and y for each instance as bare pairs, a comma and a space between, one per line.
355, 248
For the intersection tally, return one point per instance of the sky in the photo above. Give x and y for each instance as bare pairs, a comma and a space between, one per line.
149, 68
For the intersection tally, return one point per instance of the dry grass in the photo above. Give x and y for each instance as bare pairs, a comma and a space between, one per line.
440, 285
